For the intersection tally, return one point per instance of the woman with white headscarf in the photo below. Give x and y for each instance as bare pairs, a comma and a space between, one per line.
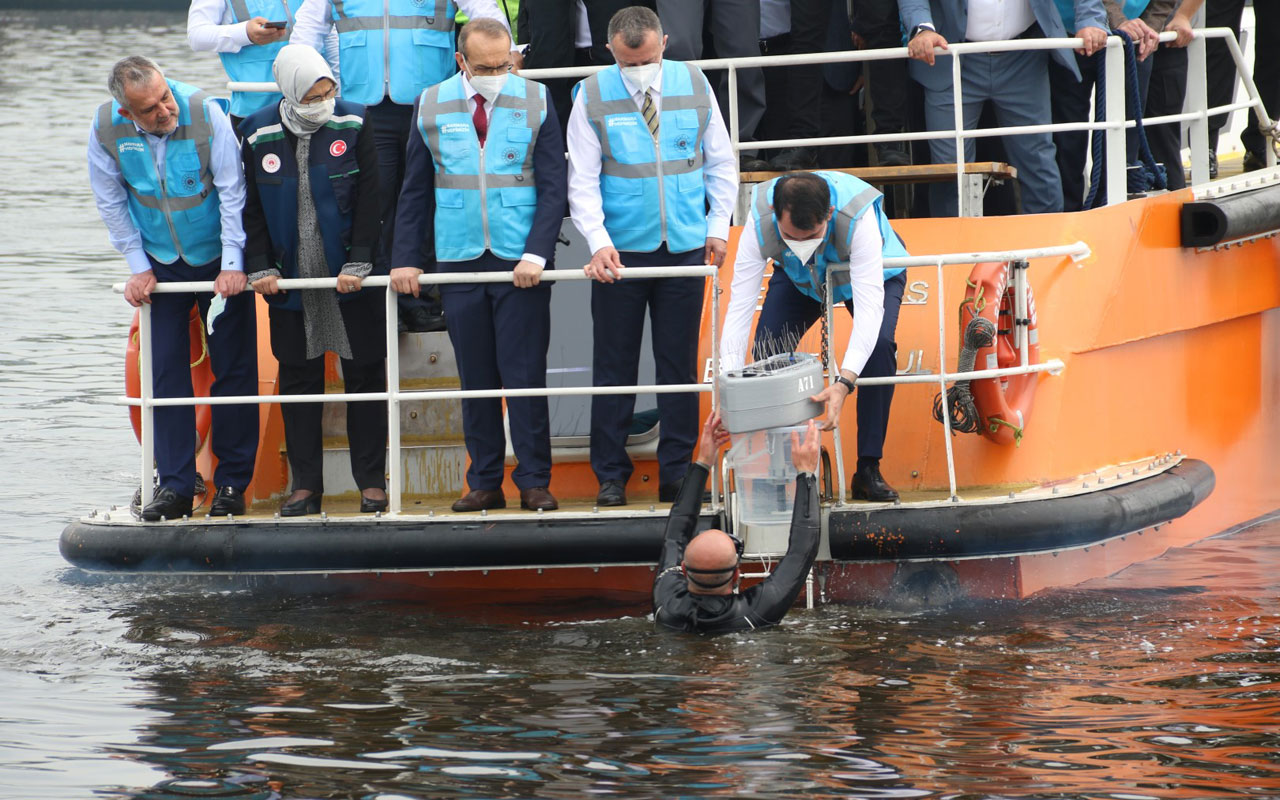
318, 222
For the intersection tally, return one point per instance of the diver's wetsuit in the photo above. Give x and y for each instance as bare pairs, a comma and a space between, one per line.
764, 604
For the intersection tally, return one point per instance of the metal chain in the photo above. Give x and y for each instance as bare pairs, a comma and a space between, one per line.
822, 297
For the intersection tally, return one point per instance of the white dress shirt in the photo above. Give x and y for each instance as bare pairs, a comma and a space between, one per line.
866, 265
586, 207
210, 26
112, 197
997, 20
472, 94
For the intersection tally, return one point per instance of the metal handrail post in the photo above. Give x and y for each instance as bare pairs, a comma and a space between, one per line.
957, 114
942, 381
1198, 97
715, 372
394, 478
833, 370
1021, 311
145, 394
1117, 158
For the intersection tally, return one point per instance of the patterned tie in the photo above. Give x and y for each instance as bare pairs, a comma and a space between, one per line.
650, 114
480, 120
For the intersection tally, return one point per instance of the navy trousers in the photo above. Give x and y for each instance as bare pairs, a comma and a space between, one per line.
617, 316
233, 354
788, 313
500, 335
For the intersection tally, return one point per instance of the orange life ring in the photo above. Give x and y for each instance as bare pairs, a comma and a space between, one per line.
201, 376
1003, 404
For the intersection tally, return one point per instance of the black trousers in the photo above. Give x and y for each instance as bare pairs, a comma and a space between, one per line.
1165, 93
549, 27
366, 420
392, 125
878, 23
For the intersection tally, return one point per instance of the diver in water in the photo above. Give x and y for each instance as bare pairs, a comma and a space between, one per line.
696, 589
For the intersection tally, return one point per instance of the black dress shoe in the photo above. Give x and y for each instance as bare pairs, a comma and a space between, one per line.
228, 500
612, 493
480, 500
167, 504
538, 498
301, 508
369, 505
794, 158
893, 154
868, 484
752, 164
668, 492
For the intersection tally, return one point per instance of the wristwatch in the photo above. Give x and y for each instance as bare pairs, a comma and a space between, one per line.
848, 384
923, 26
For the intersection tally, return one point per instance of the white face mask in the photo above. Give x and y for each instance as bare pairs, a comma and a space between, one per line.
803, 249
488, 86
316, 113
643, 76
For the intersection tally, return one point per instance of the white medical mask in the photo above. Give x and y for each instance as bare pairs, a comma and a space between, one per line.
488, 86
316, 113
643, 76
803, 249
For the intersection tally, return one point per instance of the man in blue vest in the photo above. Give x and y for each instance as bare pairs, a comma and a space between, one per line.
165, 169
484, 191
811, 224
1016, 83
652, 182
389, 51
245, 36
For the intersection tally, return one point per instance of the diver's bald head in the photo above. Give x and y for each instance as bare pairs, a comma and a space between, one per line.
710, 561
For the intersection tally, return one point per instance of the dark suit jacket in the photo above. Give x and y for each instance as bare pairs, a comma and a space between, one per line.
415, 243
951, 17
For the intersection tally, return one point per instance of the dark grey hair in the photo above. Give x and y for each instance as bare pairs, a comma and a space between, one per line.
633, 24
487, 26
131, 71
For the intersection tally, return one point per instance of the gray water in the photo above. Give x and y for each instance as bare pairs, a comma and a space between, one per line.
1162, 681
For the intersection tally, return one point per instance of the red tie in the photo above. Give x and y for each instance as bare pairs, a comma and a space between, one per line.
480, 120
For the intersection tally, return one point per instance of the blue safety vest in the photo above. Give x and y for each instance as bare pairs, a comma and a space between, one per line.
177, 214
637, 178
334, 175
485, 197
851, 198
252, 64
392, 48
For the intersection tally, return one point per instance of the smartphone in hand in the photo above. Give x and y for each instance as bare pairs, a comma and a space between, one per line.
275, 25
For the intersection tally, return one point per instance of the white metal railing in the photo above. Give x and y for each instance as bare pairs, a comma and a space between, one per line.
1114, 75
394, 395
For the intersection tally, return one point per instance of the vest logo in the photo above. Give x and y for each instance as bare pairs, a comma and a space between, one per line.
682, 143
517, 115
189, 182
337, 148
131, 147
271, 163
509, 155
455, 127
418, 3
621, 121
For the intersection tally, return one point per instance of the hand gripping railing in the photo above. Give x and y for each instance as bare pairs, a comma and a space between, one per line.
393, 396
1114, 125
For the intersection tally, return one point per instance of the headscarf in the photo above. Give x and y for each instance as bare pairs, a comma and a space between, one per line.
296, 70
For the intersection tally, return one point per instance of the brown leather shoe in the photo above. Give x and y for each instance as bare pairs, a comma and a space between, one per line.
538, 499
480, 499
